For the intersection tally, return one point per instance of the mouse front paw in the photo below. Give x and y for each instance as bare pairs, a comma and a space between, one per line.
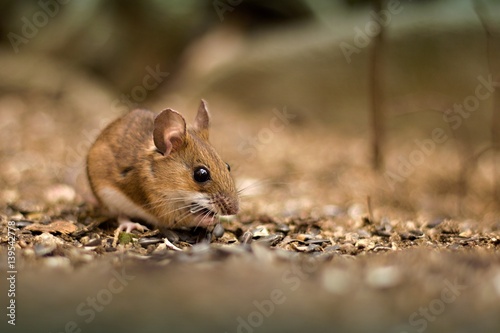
125, 225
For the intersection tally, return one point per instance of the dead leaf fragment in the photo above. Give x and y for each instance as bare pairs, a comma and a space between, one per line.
63, 227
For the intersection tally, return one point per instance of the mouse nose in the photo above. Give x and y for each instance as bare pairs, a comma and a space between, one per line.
227, 205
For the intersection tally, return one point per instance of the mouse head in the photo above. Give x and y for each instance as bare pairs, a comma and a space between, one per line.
200, 186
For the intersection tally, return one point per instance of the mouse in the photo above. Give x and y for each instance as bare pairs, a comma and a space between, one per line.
155, 168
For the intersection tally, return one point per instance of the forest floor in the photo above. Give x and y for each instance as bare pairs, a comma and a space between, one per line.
322, 243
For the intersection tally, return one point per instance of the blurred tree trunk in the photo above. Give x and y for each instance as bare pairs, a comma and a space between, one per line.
492, 55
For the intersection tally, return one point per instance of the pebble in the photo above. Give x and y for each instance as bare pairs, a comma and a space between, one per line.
48, 239
270, 240
282, 227
23, 223
304, 237
466, 233
218, 231
384, 277
147, 241
161, 249
228, 238
260, 231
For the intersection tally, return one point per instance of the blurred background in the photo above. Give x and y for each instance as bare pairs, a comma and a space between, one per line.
342, 91
327, 110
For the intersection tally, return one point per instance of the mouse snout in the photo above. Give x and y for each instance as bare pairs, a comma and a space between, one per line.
227, 205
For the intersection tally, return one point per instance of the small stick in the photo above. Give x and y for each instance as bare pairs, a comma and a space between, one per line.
495, 72
370, 211
94, 224
375, 81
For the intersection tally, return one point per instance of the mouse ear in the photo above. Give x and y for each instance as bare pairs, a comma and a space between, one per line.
202, 120
169, 132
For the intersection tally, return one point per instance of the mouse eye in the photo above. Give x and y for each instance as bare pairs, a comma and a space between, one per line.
228, 167
201, 174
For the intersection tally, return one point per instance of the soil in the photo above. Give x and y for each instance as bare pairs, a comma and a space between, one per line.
323, 243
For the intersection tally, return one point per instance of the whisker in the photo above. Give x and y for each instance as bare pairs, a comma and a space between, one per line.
197, 209
201, 220
176, 210
253, 184
185, 206
184, 216
257, 184
162, 201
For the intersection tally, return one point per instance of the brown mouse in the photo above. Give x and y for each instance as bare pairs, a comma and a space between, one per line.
155, 168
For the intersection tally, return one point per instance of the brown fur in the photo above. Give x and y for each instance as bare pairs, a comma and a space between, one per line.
124, 158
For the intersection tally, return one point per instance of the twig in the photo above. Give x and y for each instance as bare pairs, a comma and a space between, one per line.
369, 206
94, 224
375, 77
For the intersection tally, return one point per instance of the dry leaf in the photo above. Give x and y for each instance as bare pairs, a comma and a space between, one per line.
63, 227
